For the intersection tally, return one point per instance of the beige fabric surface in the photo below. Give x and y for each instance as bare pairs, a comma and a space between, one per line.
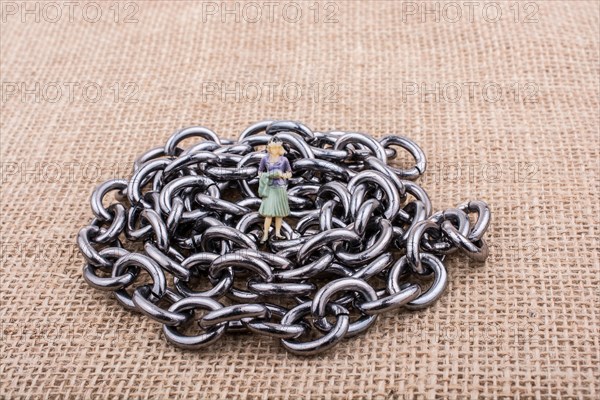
522, 325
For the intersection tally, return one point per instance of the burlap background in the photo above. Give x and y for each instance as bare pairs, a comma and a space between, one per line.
524, 325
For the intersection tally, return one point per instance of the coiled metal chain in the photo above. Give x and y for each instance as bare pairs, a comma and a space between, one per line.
361, 238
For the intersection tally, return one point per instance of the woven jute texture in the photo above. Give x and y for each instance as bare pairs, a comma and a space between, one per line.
506, 107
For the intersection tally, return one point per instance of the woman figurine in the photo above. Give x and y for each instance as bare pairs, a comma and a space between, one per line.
273, 171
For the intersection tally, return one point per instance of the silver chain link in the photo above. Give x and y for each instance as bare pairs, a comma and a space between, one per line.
361, 238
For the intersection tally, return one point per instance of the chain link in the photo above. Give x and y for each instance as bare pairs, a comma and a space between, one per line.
361, 238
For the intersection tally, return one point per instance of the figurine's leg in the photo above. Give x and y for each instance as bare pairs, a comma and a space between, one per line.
278, 221
266, 229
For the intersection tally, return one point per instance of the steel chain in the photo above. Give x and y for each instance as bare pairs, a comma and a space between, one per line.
361, 238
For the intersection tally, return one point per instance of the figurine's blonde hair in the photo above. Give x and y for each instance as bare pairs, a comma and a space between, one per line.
276, 148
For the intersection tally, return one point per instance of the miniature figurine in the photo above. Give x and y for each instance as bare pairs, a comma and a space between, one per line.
274, 170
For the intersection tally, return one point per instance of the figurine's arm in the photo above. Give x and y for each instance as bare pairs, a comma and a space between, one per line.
286, 169
262, 170
262, 167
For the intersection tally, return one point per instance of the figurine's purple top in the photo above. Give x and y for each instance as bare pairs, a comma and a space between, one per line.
282, 164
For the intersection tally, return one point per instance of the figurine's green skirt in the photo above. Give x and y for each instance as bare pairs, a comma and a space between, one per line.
276, 204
